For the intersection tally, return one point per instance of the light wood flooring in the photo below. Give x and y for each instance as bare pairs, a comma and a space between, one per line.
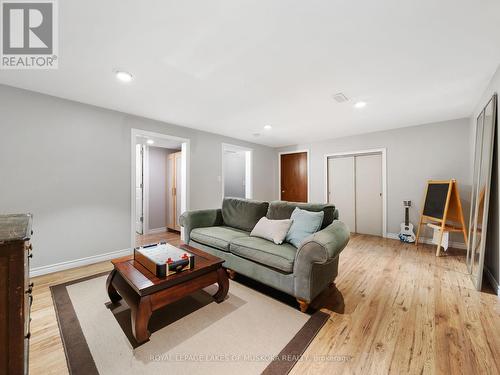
146, 239
397, 309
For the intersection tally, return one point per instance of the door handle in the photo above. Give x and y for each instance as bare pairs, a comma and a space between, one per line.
282, 191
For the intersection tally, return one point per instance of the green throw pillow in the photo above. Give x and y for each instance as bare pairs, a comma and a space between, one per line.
304, 223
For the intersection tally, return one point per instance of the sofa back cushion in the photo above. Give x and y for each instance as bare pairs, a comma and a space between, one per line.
243, 213
279, 210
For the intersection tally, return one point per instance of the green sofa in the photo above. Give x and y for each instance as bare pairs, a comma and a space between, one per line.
302, 272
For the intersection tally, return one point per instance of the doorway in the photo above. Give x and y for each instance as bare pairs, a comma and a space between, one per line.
160, 187
173, 191
356, 184
139, 189
294, 176
236, 171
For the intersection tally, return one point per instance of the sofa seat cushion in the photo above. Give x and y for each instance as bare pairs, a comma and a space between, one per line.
218, 237
265, 252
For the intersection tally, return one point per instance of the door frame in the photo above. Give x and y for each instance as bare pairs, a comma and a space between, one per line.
308, 170
383, 151
248, 167
185, 148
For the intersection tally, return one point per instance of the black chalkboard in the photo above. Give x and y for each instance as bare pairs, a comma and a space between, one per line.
435, 200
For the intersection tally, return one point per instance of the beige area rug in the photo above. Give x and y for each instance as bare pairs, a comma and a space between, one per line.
248, 333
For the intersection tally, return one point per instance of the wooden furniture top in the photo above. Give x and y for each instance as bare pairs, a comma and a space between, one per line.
15, 227
144, 282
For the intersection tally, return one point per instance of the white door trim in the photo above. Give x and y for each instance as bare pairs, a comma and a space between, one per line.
308, 169
248, 167
135, 133
383, 151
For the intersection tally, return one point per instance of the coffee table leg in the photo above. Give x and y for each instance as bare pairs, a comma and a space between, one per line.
140, 318
112, 293
223, 282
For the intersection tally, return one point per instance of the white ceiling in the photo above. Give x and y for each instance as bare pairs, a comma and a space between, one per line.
231, 67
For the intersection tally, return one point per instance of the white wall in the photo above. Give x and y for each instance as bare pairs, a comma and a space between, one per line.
69, 164
234, 174
492, 256
414, 155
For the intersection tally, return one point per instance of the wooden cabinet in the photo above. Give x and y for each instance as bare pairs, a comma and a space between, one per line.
15, 293
174, 169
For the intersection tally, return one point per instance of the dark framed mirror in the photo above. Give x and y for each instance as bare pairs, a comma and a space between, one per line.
481, 186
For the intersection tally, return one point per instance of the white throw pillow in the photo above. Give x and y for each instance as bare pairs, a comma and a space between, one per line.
272, 230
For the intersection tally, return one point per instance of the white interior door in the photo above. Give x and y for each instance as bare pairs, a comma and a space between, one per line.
234, 165
139, 194
341, 188
368, 170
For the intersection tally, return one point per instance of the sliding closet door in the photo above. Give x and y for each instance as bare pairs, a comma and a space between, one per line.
341, 188
368, 172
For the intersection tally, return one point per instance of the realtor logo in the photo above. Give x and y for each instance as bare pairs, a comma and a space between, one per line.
29, 34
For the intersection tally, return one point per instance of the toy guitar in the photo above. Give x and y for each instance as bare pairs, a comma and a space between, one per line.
406, 234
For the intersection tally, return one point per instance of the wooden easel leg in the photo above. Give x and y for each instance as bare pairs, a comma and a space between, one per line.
438, 250
451, 188
461, 214
418, 232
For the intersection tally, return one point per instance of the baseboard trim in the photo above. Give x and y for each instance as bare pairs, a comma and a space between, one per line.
492, 281
43, 270
157, 230
428, 241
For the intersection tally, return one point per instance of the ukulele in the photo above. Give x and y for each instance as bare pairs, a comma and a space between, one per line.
406, 233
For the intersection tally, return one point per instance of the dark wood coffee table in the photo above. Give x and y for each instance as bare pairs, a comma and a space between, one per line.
145, 293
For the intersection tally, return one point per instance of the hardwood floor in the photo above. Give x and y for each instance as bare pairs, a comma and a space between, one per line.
46, 350
146, 239
407, 312
396, 309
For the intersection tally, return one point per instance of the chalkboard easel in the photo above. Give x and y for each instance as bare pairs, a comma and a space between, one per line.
442, 206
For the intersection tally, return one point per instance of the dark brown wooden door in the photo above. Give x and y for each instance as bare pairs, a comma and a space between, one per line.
294, 177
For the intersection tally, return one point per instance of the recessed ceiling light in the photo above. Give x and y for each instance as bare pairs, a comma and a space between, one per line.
150, 142
340, 98
268, 127
360, 105
123, 76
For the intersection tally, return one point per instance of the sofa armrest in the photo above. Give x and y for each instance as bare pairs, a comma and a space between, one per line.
322, 247
199, 219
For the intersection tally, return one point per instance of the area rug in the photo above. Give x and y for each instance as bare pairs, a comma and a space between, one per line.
248, 333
